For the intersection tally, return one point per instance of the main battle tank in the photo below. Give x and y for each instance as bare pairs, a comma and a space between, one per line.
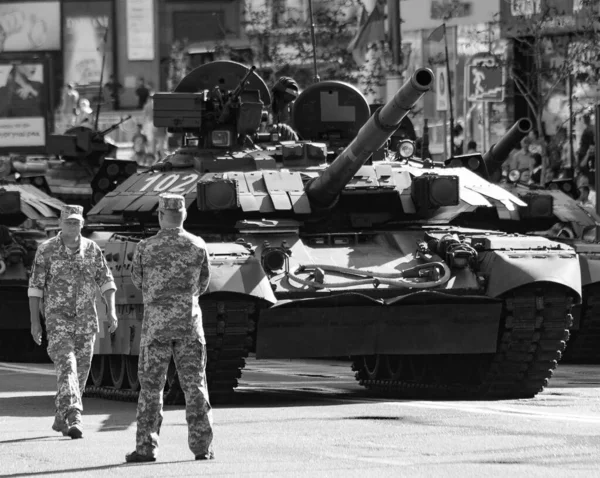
83, 167
314, 257
26, 214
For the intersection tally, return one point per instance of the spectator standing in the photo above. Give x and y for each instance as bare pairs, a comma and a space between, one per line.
142, 92
85, 114
69, 104
471, 147
587, 138
114, 90
520, 158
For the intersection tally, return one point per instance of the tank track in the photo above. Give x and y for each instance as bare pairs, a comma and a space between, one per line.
532, 336
584, 344
229, 329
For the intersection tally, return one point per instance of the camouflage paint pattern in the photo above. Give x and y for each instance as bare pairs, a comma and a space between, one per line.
67, 282
172, 270
72, 357
190, 360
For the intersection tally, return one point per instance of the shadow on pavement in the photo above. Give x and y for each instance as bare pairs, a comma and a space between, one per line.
18, 440
89, 468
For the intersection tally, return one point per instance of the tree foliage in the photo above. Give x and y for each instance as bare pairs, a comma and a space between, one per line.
548, 55
281, 38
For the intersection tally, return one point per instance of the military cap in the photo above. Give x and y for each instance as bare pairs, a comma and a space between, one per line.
171, 202
71, 211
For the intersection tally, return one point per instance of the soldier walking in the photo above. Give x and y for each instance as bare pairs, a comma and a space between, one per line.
66, 272
172, 271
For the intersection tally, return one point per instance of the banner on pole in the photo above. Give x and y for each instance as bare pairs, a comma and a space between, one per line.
441, 89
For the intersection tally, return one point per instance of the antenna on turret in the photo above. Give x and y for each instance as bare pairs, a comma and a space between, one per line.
100, 96
316, 78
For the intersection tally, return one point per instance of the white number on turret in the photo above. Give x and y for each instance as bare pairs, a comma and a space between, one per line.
173, 183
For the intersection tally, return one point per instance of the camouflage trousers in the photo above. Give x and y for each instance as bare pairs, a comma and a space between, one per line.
72, 357
190, 361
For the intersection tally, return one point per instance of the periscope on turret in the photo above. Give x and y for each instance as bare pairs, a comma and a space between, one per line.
317, 254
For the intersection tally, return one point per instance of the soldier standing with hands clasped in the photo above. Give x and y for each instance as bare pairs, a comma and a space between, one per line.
66, 272
172, 271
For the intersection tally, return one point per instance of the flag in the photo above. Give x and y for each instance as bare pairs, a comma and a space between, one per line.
438, 34
373, 30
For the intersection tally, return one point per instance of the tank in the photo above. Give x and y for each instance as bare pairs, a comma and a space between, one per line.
555, 212
26, 214
551, 212
337, 255
82, 167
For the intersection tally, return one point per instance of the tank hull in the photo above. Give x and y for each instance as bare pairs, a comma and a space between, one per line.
470, 322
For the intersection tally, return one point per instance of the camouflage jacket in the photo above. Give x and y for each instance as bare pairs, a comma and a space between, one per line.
172, 271
68, 282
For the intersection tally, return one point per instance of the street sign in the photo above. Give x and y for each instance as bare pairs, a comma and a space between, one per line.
441, 89
485, 79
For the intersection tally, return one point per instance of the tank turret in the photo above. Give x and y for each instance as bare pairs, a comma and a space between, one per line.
324, 190
488, 165
83, 143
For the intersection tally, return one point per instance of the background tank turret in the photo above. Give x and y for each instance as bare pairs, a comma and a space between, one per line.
26, 214
317, 254
83, 165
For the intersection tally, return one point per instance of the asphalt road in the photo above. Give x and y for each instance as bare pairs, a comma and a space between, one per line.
309, 418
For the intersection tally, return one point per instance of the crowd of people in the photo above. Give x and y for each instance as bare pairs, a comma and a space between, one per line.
540, 161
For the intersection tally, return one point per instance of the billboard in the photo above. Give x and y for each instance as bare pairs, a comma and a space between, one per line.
30, 26
23, 105
85, 26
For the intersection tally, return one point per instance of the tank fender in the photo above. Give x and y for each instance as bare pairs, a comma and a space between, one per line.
590, 268
508, 270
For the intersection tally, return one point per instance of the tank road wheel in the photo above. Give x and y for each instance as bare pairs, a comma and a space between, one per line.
394, 366
372, 364
131, 369
116, 366
98, 370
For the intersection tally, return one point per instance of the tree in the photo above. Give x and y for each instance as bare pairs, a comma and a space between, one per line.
553, 49
281, 38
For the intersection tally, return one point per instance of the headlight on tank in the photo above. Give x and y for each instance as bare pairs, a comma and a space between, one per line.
406, 149
514, 175
221, 139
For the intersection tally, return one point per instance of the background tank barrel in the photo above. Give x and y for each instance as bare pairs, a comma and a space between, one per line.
374, 133
499, 152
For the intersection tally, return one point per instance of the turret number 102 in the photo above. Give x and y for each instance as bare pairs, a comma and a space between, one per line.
172, 183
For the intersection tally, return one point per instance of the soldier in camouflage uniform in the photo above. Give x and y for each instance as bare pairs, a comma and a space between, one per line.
66, 272
172, 271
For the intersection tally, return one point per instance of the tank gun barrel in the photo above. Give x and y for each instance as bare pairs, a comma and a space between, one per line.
113, 127
499, 152
236, 94
324, 190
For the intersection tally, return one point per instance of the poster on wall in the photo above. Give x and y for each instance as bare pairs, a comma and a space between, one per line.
85, 26
23, 104
30, 26
140, 30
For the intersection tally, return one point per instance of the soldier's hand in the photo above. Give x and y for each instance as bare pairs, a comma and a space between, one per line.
36, 332
113, 322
